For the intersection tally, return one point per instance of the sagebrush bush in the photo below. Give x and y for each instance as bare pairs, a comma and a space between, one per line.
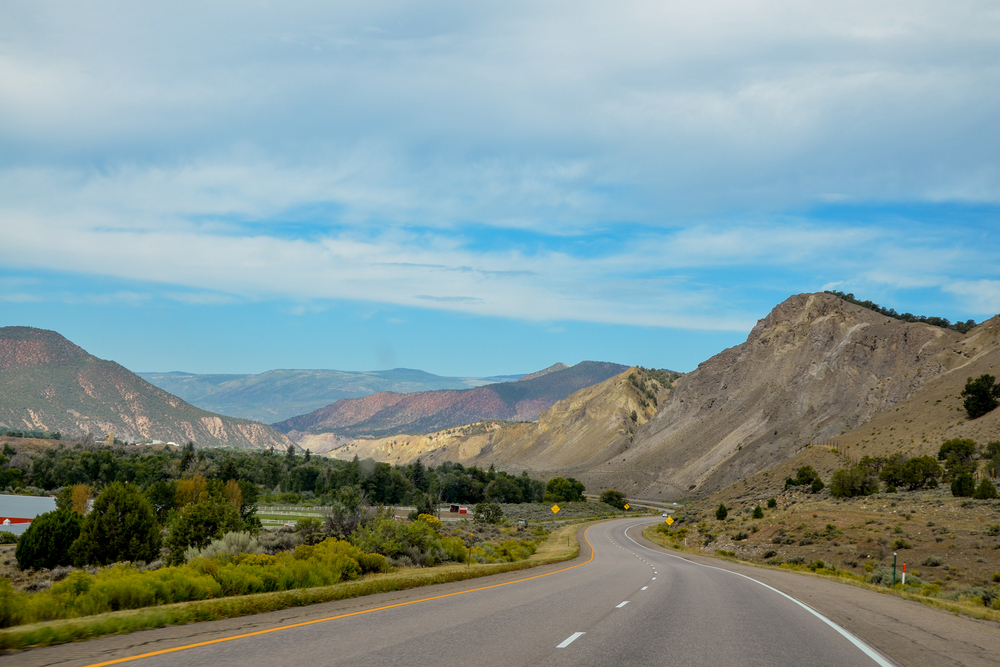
126, 586
231, 545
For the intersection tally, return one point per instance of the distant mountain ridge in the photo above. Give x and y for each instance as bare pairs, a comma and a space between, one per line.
48, 383
387, 413
280, 394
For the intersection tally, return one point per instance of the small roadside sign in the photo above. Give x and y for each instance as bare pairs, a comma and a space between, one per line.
555, 508
669, 520
626, 505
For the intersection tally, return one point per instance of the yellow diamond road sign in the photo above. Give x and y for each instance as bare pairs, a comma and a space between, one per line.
555, 508
669, 520
626, 505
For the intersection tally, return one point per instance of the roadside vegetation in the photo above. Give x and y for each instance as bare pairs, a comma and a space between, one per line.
143, 528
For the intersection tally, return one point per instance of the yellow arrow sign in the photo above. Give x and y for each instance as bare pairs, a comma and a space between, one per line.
669, 520
555, 508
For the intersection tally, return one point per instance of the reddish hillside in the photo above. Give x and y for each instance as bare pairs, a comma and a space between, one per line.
49, 384
424, 412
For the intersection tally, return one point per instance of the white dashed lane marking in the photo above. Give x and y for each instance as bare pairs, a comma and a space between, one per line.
572, 638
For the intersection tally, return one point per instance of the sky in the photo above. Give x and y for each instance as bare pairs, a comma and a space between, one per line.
477, 189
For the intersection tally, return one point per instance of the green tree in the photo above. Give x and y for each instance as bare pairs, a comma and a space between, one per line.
920, 471
963, 486
981, 395
613, 498
772, 503
199, 523
162, 496
758, 512
985, 490
504, 489
560, 490
958, 455
188, 456
721, 512
855, 481
121, 526
47, 541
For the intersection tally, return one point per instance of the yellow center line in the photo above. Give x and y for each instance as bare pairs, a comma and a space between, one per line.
333, 618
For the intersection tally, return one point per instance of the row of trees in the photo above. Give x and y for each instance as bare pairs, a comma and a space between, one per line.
296, 475
943, 322
957, 462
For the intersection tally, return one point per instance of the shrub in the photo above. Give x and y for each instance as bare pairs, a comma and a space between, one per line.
855, 481
770, 553
963, 486
227, 548
613, 498
931, 561
740, 536
7, 537
47, 541
121, 526
796, 560
902, 543
817, 485
721, 512
804, 476
758, 512
985, 490
772, 503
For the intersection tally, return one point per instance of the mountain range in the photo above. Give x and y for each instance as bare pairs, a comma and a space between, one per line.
387, 413
47, 383
816, 370
280, 394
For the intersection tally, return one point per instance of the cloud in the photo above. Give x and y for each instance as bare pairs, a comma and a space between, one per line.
665, 158
980, 296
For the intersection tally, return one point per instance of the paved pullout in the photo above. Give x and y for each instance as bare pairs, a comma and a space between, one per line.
623, 601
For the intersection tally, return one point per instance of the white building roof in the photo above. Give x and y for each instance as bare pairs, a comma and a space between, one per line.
26, 507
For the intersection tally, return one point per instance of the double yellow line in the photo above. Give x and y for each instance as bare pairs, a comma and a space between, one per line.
334, 618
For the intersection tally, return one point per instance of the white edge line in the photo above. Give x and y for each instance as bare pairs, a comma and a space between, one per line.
644, 588
847, 634
572, 638
622, 604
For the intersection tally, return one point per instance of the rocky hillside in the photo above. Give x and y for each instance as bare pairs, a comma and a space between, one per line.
389, 413
815, 368
48, 383
590, 426
281, 394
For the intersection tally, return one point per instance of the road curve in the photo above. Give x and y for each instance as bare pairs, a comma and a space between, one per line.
624, 605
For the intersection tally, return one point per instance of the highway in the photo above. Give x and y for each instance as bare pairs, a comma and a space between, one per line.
618, 604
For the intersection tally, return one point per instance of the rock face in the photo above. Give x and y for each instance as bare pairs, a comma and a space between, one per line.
388, 413
814, 368
48, 383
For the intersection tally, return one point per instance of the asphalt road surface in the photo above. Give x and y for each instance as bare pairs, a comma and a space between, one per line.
627, 605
